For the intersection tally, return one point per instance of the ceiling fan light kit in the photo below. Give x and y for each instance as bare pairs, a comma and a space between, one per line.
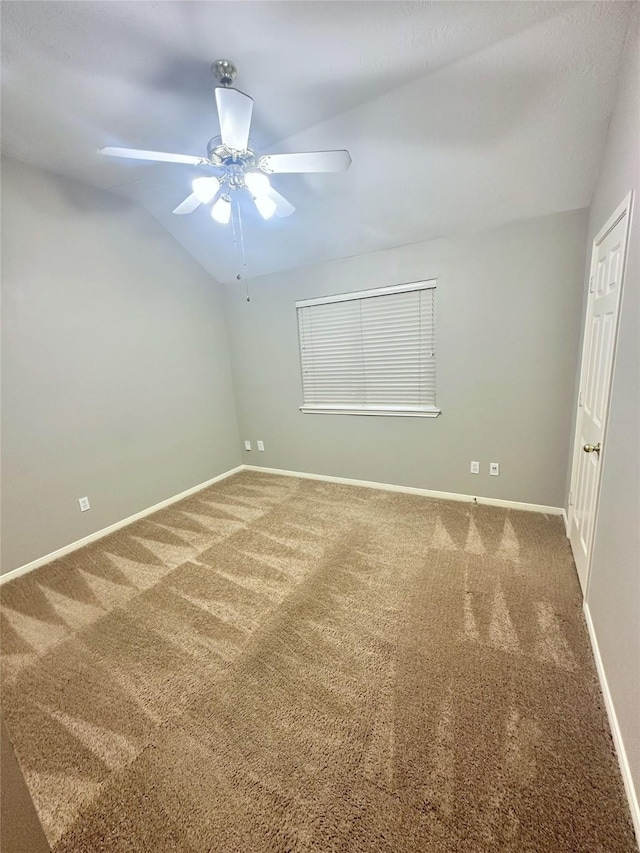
257, 183
266, 206
205, 189
237, 169
221, 210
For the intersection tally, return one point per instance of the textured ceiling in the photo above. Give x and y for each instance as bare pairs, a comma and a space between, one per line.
458, 115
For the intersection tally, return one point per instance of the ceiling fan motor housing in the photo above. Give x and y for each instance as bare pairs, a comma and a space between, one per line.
234, 164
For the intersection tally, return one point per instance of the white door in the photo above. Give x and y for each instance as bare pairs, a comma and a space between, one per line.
601, 325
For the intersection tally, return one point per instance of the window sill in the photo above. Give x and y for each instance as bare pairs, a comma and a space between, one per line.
379, 411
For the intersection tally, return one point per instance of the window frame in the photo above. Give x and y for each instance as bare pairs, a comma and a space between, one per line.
384, 410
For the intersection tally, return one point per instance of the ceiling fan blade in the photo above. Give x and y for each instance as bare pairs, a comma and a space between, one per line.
160, 156
234, 112
190, 203
312, 161
283, 207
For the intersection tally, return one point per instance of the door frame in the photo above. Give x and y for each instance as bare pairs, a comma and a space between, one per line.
625, 207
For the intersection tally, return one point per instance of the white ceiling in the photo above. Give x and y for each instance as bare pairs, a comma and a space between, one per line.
458, 115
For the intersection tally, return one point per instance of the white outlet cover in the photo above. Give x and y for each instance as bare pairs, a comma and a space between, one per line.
475, 468
494, 469
247, 445
261, 445
84, 504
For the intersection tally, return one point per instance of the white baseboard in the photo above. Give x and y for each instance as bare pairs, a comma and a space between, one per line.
93, 537
566, 521
627, 778
410, 490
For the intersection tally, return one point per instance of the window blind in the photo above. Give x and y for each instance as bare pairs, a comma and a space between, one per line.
371, 352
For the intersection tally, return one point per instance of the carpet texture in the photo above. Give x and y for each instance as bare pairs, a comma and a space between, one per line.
289, 665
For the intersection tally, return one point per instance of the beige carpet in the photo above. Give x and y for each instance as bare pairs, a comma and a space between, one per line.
288, 665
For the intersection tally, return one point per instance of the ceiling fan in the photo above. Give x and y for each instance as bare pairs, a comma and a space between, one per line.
235, 165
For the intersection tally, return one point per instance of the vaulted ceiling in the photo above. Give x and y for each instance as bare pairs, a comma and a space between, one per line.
458, 116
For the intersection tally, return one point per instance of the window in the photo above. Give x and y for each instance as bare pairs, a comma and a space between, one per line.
371, 352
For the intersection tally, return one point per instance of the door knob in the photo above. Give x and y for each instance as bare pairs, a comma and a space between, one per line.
592, 448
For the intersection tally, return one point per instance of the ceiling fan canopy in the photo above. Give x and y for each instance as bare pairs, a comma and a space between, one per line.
234, 165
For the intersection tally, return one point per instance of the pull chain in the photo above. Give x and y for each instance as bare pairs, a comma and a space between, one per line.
238, 241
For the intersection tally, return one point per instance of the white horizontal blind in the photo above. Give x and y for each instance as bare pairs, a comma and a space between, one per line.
370, 353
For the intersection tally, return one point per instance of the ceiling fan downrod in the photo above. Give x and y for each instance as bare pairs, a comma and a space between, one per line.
224, 71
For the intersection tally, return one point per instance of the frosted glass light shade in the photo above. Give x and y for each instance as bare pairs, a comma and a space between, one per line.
205, 188
266, 206
221, 210
257, 183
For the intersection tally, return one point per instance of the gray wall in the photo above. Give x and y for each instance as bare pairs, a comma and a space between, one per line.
508, 321
614, 583
116, 381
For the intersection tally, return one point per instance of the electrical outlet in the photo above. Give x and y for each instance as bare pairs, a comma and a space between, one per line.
84, 504
494, 469
261, 445
475, 467
247, 445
